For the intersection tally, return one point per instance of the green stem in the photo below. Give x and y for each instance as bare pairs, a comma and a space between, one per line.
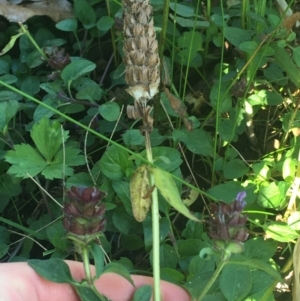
25, 31
212, 280
86, 263
155, 225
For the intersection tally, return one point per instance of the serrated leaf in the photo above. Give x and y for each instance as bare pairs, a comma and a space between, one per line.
25, 160
140, 193
167, 187
47, 137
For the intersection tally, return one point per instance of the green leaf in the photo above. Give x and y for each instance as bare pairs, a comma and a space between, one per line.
131, 242
190, 23
34, 59
296, 55
115, 163
284, 60
289, 170
273, 195
4, 66
237, 35
193, 229
171, 275
143, 293
54, 270
11, 43
119, 269
67, 25
6, 95
30, 85
197, 141
88, 294
168, 257
85, 13
110, 111
25, 160
98, 256
105, 23
280, 231
48, 137
182, 10
235, 282
260, 248
219, 99
8, 110
235, 168
133, 137
167, 187
77, 68
248, 46
294, 220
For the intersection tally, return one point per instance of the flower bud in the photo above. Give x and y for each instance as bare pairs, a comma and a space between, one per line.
84, 213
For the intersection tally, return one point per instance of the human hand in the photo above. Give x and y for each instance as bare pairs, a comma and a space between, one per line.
19, 282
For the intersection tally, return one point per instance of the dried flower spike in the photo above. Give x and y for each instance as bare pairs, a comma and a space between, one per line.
84, 213
140, 51
227, 224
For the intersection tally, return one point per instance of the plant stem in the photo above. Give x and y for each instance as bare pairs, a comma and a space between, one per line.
155, 224
86, 263
212, 280
25, 31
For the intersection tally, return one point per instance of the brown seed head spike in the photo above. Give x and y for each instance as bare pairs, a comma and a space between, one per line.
140, 51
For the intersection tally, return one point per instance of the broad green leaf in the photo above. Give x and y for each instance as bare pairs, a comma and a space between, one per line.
48, 137
273, 195
8, 78
280, 231
248, 46
34, 59
11, 43
25, 160
237, 35
197, 141
88, 294
167, 187
105, 23
219, 99
3, 249
43, 112
55, 232
87, 89
77, 68
110, 111
7, 95
235, 282
98, 257
4, 66
294, 220
115, 163
134, 137
289, 170
140, 193
193, 229
85, 13
30, 85
190, 247
131, 242
8, 110
119, 269
164, 228
285, 62
260, 249
172, 275
168, 256
67, 25
296, 55
189, 23
54, 270
123, 192
123, 221
143, 293
182, 10
234, 169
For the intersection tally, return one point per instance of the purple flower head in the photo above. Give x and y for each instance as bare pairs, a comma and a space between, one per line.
227, 223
